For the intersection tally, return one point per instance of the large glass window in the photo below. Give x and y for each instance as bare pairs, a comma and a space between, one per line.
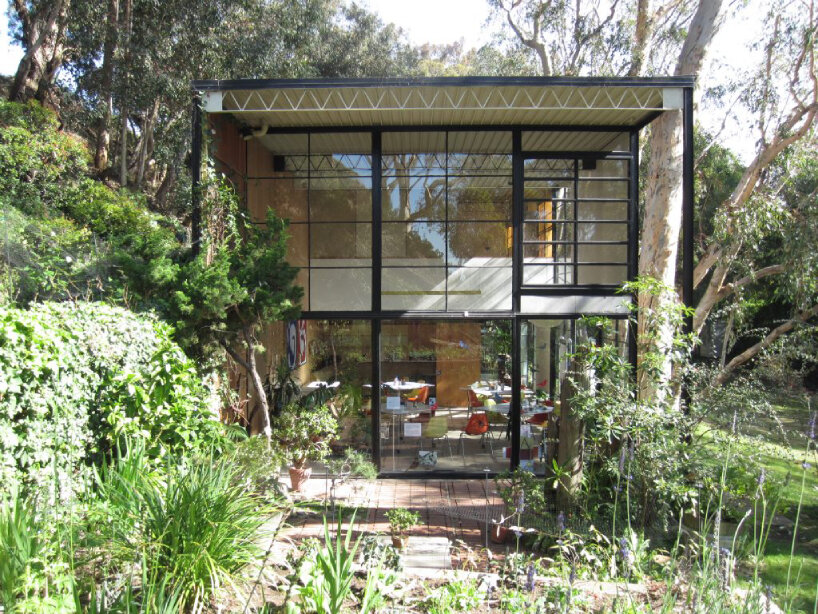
446, 221
445, 395
323, 184
575, 228
332, 358
546, 354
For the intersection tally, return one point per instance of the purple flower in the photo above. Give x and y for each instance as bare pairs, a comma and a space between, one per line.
529, 583
572, 577
762, 477
811, 433
806, 465
560, 522
520, 503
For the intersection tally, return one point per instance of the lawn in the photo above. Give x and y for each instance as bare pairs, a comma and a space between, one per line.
778, 442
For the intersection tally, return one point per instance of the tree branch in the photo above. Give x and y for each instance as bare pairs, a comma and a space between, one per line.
235, 355
751, 352
730, 288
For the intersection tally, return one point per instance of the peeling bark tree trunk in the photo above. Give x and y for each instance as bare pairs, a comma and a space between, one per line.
109, 49
43, 39
251, 368
146, 143
663, 199
123, 161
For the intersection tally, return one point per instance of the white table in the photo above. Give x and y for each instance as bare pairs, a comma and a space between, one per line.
320, 384
400, 386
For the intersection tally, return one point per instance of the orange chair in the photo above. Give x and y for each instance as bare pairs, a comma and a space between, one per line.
421, 397
478, 424
473, 401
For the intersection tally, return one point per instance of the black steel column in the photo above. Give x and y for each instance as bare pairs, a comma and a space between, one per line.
633, 241
517, 195
377, 250
687, 203
376, 391
516, 379
377, 215
196, 173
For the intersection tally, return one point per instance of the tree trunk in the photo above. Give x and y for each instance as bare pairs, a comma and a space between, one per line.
123, 161
108, 53
571, 433
663, 198
43, 39
146, 143
251, 367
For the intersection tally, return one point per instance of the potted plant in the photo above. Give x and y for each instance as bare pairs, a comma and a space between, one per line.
304, 434
400, 521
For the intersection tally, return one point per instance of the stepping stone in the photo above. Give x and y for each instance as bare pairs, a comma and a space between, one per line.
423, 554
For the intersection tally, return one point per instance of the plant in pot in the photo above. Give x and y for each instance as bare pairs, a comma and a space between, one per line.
400, 521
303, 433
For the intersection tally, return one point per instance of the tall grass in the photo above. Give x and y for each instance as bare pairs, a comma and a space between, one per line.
21, 547
191, 531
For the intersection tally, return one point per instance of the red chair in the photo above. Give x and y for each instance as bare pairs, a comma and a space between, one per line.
478, 424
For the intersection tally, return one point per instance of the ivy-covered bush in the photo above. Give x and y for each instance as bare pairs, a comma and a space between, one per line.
76, 379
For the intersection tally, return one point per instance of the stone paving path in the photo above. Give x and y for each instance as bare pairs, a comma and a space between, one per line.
454, 509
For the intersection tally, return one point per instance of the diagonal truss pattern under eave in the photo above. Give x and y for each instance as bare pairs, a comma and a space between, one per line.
424, 98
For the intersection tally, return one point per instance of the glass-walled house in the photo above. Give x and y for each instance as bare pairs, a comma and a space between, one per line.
450, 233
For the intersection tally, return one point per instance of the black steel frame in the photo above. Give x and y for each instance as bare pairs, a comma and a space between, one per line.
516, 315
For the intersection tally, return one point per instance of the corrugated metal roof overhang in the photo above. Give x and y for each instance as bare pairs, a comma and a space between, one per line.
588, 102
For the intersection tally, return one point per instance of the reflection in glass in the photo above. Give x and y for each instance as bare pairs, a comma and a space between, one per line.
340, 244
406, 198
340, 289
420, 242
340, 199
338, 354
479, 289
471, 242
413, 288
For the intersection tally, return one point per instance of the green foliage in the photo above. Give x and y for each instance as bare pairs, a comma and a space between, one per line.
455, 596
401, 520
66, 235
73, 377
304, 435
37, 161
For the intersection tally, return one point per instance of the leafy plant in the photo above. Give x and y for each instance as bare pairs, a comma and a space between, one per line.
74, 377
304, 435
455, 596
401, 520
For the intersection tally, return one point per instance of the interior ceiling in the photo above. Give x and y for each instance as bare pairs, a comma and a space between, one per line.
482, 142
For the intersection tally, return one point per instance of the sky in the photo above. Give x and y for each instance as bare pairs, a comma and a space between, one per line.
448, 21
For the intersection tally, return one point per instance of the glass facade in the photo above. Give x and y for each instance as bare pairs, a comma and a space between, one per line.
423, 259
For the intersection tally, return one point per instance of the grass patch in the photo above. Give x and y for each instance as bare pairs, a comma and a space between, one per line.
777, 442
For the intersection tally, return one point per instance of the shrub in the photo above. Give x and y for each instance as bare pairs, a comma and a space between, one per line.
74, 378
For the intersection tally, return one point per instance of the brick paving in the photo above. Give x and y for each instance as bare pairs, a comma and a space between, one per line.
455, 509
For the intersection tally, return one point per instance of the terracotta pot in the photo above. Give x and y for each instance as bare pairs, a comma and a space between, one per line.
499, 534
299, 477
400, 541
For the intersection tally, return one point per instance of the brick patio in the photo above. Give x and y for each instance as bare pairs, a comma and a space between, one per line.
455, 509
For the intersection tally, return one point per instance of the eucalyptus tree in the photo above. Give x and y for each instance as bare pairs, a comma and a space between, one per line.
669, 36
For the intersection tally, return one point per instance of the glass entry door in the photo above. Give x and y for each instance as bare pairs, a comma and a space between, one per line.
445, 396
